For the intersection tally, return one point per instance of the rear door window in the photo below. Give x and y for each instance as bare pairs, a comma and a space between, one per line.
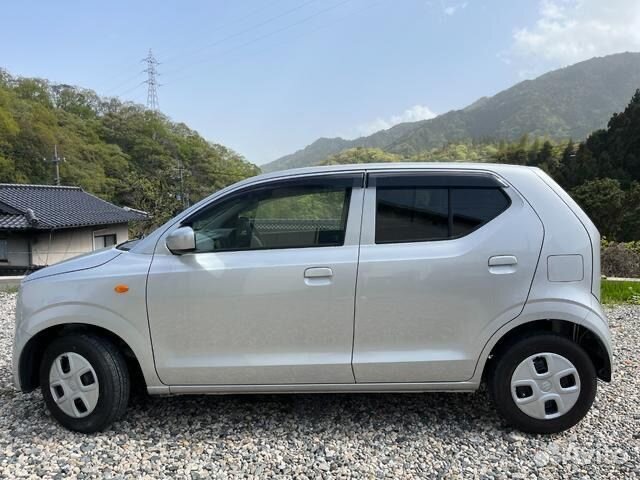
419, 208
411, 214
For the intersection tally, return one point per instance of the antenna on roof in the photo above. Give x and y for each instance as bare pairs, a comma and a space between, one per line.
56, 160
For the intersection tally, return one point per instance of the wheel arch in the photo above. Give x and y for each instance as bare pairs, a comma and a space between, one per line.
582, 335
33, 352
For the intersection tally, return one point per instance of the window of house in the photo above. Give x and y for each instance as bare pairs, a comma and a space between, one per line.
102, 241
410, 209
286, 216
4, 250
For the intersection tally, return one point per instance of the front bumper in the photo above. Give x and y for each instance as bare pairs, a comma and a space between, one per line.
20, 339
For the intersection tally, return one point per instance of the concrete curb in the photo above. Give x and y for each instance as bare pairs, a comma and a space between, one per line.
9, 282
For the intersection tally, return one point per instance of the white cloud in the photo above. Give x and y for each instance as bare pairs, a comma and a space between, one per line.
451, 9
568, 31
446, 8
413, 114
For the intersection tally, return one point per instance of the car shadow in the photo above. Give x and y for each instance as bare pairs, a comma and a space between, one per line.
225, 415
207, 417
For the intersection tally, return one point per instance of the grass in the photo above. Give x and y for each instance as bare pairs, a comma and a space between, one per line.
615, 291
9, 288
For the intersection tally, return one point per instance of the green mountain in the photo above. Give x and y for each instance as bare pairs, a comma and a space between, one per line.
119, 151
567, 103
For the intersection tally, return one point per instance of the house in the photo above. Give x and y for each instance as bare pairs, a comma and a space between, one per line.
44, 224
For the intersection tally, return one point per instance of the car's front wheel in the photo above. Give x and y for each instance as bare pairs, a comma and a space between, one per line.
543, 384
84, 381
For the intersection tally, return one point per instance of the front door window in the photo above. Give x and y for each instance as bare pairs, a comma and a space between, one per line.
277, 217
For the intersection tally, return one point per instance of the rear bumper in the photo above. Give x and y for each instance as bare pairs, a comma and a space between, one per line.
597, 320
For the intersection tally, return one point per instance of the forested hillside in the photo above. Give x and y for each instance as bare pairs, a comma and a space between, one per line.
134, 157
567, 103
602, 173
119, 151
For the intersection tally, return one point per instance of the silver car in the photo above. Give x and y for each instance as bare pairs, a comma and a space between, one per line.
355, 278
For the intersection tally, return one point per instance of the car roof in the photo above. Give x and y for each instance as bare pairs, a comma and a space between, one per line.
366, 167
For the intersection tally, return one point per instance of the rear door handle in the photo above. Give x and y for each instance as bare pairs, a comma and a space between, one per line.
502, 261
318, 272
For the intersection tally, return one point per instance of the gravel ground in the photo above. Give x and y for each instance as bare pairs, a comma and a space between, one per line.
326, 436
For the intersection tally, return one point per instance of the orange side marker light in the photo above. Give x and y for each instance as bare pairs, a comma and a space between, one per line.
121, 288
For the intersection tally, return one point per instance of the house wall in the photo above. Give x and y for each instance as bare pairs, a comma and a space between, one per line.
51, 247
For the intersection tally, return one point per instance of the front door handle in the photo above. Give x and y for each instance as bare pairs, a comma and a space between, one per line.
318, 272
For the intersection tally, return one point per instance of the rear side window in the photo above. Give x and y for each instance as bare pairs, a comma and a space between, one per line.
473, 207
418, 209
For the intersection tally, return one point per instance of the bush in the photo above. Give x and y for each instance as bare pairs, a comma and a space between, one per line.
620, 259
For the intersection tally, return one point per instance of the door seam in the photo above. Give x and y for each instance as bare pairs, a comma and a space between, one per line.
146, 305
355, 289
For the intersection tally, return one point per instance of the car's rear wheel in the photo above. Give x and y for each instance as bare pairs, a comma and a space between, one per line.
84, 381
543, 384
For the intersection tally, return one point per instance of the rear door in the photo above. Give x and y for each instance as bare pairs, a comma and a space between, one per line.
444, 257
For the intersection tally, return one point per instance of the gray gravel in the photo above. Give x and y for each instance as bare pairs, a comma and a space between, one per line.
326, 436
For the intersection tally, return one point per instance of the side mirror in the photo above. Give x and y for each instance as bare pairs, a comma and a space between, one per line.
181, 240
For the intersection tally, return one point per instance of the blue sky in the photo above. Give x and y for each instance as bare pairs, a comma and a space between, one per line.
268, 77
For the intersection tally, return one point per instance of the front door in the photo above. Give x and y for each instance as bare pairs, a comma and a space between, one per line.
267, 297
445, 260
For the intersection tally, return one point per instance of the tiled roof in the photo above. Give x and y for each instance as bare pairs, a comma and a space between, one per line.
52, 207
13, 222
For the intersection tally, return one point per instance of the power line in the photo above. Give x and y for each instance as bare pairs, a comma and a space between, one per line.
317, 28
238, 47
126, 79
133, 88
237, 21
152, 81
123, 83
275, 32
123, 78
229, 37
246, 30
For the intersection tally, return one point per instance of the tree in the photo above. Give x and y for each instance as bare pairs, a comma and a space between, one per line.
630, 223
119, 151
361, 155
602, 200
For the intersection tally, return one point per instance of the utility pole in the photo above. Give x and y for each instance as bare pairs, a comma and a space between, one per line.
183, 196
56, 160
152, 81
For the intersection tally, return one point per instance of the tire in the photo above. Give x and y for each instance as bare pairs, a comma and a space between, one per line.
85, 382
566, 405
